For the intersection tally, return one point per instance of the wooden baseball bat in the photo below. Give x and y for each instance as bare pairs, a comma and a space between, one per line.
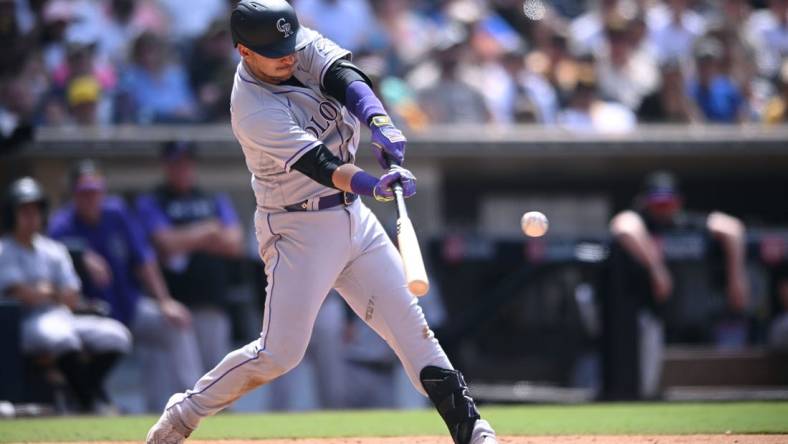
415, 274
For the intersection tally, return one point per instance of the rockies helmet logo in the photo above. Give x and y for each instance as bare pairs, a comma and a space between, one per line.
284, 27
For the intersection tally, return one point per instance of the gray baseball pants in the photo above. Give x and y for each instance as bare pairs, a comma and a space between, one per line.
306, 254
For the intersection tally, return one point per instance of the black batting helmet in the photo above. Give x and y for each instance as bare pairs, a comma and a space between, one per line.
267, 27
21, 191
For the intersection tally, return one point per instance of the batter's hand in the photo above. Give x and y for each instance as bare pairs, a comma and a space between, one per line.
388, 143
383, 191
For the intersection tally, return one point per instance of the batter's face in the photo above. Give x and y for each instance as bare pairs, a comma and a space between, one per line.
266, 69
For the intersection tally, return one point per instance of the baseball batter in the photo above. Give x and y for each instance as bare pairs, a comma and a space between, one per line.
297, 104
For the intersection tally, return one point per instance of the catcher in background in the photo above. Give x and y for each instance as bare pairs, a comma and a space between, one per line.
297, 106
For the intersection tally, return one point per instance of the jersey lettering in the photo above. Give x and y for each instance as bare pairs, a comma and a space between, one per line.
329, 112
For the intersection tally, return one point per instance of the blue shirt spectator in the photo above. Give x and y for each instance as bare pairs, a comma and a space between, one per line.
720, 101
195, 268
121, 242
153, 88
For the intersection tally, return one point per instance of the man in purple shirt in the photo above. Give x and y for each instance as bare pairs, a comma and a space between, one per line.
196, 233
114, 257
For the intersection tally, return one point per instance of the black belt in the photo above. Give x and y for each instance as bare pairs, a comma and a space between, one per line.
323, 203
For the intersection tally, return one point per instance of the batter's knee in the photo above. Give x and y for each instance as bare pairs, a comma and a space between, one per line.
280, 359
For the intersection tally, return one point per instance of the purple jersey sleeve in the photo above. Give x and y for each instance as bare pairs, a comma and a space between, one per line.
226, 211
151, 215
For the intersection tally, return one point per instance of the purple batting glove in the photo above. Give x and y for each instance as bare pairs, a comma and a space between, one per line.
388, 143
383, 191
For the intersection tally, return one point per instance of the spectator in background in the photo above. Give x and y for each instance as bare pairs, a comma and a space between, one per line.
211, 71
410, 34
38, 272
534, 99
450, 99
586, 32
119, 30
190, 24
195, 232
767, 32
738, 54
640, 232
332, 18
80, 63
551, 59
83, 95
57, 15
625, 74
21, 92
491, 39
114, 257
670, 102
673, 29
776, 111
585, 113
716, 95
155, 88
15, 42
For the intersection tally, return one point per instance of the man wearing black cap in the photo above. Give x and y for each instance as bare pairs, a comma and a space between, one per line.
297, 106
658, 227
194, 233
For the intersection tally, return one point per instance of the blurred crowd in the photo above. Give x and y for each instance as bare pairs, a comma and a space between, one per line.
587, 65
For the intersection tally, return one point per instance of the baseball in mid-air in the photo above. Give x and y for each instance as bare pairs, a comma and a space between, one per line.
534, 224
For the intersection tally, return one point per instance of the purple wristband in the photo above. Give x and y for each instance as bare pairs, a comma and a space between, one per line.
363, 183
362, 102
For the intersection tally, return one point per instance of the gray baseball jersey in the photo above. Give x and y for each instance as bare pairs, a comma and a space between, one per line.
277, 124
52, 328
47, 261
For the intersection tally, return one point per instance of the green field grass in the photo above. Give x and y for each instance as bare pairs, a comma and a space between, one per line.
597, 419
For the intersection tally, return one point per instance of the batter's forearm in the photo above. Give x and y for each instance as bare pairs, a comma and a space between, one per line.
363, 103
343, 177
